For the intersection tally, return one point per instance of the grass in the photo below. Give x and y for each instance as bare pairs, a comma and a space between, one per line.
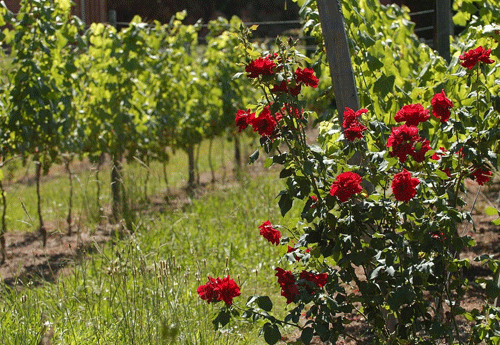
142, 289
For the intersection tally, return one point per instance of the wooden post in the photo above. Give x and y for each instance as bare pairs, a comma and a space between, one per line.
442, 28
339, 58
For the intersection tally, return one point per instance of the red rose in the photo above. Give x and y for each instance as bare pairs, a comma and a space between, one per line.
219, 290
420, 147
243, 119
318, 279
281, 88
286, 281
346, 185
412, 114
352, 127
306, 76
264, 124
481, 176
402, 141
441, 106
270, 233
403, 186
473, 56
260, 66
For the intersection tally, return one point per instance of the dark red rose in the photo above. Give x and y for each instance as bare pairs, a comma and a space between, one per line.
281, 88
346, 185
260, 66
352, 127
306, 76
420, 147
264, 123
219, 290
474, 56
318, 279
441, 106
402, 141
243, 119
286, 281
403, 186
481, 176
270, 233
412, 114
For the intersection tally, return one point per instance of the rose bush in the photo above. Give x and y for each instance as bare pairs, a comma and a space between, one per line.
380, 239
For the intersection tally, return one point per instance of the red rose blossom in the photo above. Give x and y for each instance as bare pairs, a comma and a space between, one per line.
403, 186
346, 185
286, 281
481, 176
441, 106
270, 233
260, 66
402, 141
352, 127
318, 279
412, 114
306, 76
219, 290
420, 147
474, 56
264, 124
243, 119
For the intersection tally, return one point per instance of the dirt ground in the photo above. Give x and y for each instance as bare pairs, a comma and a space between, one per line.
29, 263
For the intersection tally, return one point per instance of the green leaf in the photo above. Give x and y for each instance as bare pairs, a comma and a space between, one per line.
384, 85
271, 333
268, 162
254, 156
491, 211
222, 319
285, 203
496, 221
265, 303
492, 290
307, 335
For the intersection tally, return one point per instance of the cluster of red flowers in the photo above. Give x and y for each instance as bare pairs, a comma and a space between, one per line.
266, 66
352, 127
346, 185
270, 233
474, 56
290, 287
218, 289
264, 124
404, 139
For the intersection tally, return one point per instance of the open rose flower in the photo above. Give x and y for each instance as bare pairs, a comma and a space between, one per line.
352, 127
264, 123
474, 56
286, 281
481, 176
420, 147
260, 66
412, 114
218, 289
346, 185
243, 119
403, 186
441, 106
270, 233
319, 280
306, 76
402, 140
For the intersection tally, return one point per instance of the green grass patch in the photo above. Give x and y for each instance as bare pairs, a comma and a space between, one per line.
142, 289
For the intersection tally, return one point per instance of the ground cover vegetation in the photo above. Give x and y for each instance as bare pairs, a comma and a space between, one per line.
384, 220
